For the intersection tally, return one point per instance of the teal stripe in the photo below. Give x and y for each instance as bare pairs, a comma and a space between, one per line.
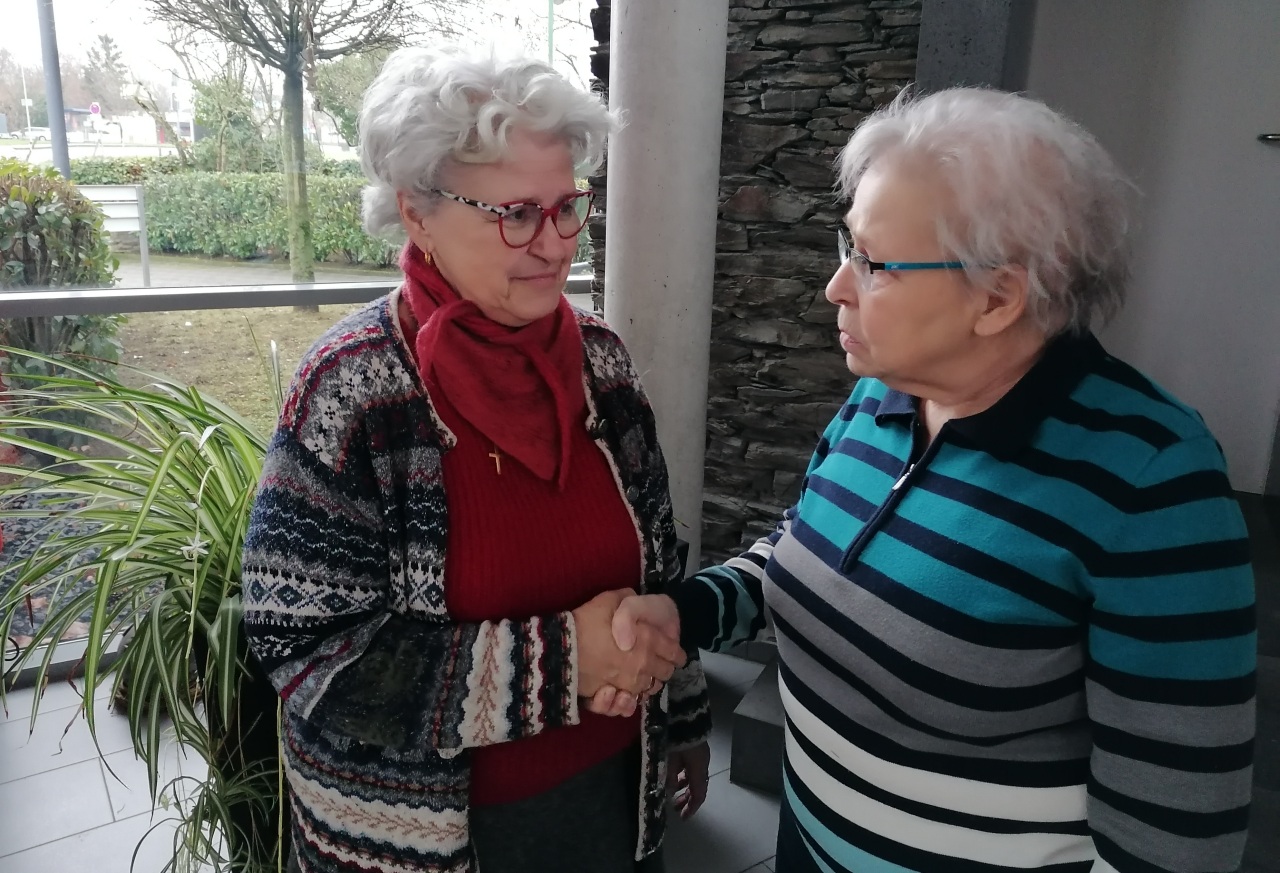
947, 585
1181, 594
1071, 504
829, 520
1201, 659
1097, 392
1001, 539
1117, 452
848, 856
744, 610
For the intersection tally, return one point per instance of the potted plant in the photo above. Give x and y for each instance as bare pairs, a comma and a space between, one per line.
147, 492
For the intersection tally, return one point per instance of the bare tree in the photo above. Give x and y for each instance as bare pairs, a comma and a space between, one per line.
292, 36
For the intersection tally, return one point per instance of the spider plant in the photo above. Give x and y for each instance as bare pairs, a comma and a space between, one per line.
152, 498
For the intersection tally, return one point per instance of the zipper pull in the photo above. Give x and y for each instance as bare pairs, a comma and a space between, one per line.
898, 484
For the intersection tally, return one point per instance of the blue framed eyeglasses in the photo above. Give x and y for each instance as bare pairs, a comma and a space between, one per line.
865, 266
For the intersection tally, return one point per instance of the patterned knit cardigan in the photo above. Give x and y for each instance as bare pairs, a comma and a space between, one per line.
344, 605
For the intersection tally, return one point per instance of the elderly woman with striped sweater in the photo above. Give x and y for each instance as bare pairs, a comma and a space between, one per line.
464, 483
1013, 603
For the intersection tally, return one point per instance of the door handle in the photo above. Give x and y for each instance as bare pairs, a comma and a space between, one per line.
1269, 138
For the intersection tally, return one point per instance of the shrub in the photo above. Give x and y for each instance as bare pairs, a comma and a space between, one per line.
51, 236
244, 215
123, 171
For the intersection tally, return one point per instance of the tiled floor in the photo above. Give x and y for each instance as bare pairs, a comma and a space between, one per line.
63, 811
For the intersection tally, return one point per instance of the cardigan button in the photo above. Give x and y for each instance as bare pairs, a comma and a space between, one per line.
633, 493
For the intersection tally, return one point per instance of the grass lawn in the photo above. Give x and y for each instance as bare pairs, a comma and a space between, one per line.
214, 350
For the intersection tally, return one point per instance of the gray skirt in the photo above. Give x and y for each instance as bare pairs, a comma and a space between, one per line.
587, 824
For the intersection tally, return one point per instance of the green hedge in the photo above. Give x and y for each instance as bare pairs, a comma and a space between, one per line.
131, 171
243, 215
123, 171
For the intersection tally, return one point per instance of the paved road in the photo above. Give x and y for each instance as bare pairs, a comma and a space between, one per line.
184, 272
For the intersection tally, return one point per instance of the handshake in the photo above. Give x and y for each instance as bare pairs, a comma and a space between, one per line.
628, 647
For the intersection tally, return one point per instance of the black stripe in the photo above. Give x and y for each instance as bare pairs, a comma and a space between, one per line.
1174, 756
867, 406
883, 703
1175, 692
1183, 823
927, 811
1097, 561
854, 504
1115, 370
1140, 427
1125, 496
915, 674
1179, 628
988, 568
699, 607
996, 635
878, 459
1121, 859
1029, 774
1179, 560
892, 851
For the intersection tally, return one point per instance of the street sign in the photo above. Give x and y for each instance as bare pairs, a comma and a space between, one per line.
95, 109
27, 101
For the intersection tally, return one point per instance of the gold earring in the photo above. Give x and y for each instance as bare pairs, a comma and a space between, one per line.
426, 256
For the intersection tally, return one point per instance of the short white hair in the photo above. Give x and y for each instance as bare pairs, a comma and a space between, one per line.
430, 106
1028, 186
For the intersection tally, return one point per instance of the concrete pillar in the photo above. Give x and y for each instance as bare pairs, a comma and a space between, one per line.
666, 75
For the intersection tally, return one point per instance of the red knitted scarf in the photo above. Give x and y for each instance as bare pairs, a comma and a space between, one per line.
520, 387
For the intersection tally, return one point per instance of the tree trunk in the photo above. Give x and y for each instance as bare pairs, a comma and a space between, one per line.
301, 249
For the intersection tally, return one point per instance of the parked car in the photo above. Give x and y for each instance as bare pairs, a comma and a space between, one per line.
35, 134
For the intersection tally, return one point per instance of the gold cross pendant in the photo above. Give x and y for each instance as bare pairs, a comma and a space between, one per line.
497, 459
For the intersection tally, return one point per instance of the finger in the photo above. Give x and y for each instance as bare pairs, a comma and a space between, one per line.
625, 624
697, 793
625, 704
657, 667
603, 701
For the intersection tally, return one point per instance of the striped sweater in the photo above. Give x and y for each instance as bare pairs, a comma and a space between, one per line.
344, 604
1032, 646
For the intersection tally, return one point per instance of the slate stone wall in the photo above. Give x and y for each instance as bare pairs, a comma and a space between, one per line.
800, 76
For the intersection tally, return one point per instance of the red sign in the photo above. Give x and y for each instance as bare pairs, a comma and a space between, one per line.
95, 109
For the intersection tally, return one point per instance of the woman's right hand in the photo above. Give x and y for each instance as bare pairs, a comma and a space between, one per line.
655, 654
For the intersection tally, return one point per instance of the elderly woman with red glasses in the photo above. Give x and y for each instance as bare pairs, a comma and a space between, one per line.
464, 483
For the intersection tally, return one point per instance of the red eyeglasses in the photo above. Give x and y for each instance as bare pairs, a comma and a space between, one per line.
520, 222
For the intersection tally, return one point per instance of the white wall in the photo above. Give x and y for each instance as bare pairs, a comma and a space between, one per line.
1178, 91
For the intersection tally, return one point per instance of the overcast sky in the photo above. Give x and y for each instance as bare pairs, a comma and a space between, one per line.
80, 21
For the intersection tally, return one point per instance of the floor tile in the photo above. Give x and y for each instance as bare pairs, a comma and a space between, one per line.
769, 864
106, 849
126, 779
726, 671
24, 753
735, 830
57, 695
50, 806
722, 704
762, 867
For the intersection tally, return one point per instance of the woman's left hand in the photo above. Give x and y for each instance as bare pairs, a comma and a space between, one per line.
687, 778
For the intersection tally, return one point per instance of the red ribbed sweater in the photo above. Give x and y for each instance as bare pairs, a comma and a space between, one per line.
517, 548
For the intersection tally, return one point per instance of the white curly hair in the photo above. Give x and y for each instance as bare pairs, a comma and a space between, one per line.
429, 106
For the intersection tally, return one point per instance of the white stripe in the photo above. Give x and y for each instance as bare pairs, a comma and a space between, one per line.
1101, 866
951, 841
1017, 803
421, 830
